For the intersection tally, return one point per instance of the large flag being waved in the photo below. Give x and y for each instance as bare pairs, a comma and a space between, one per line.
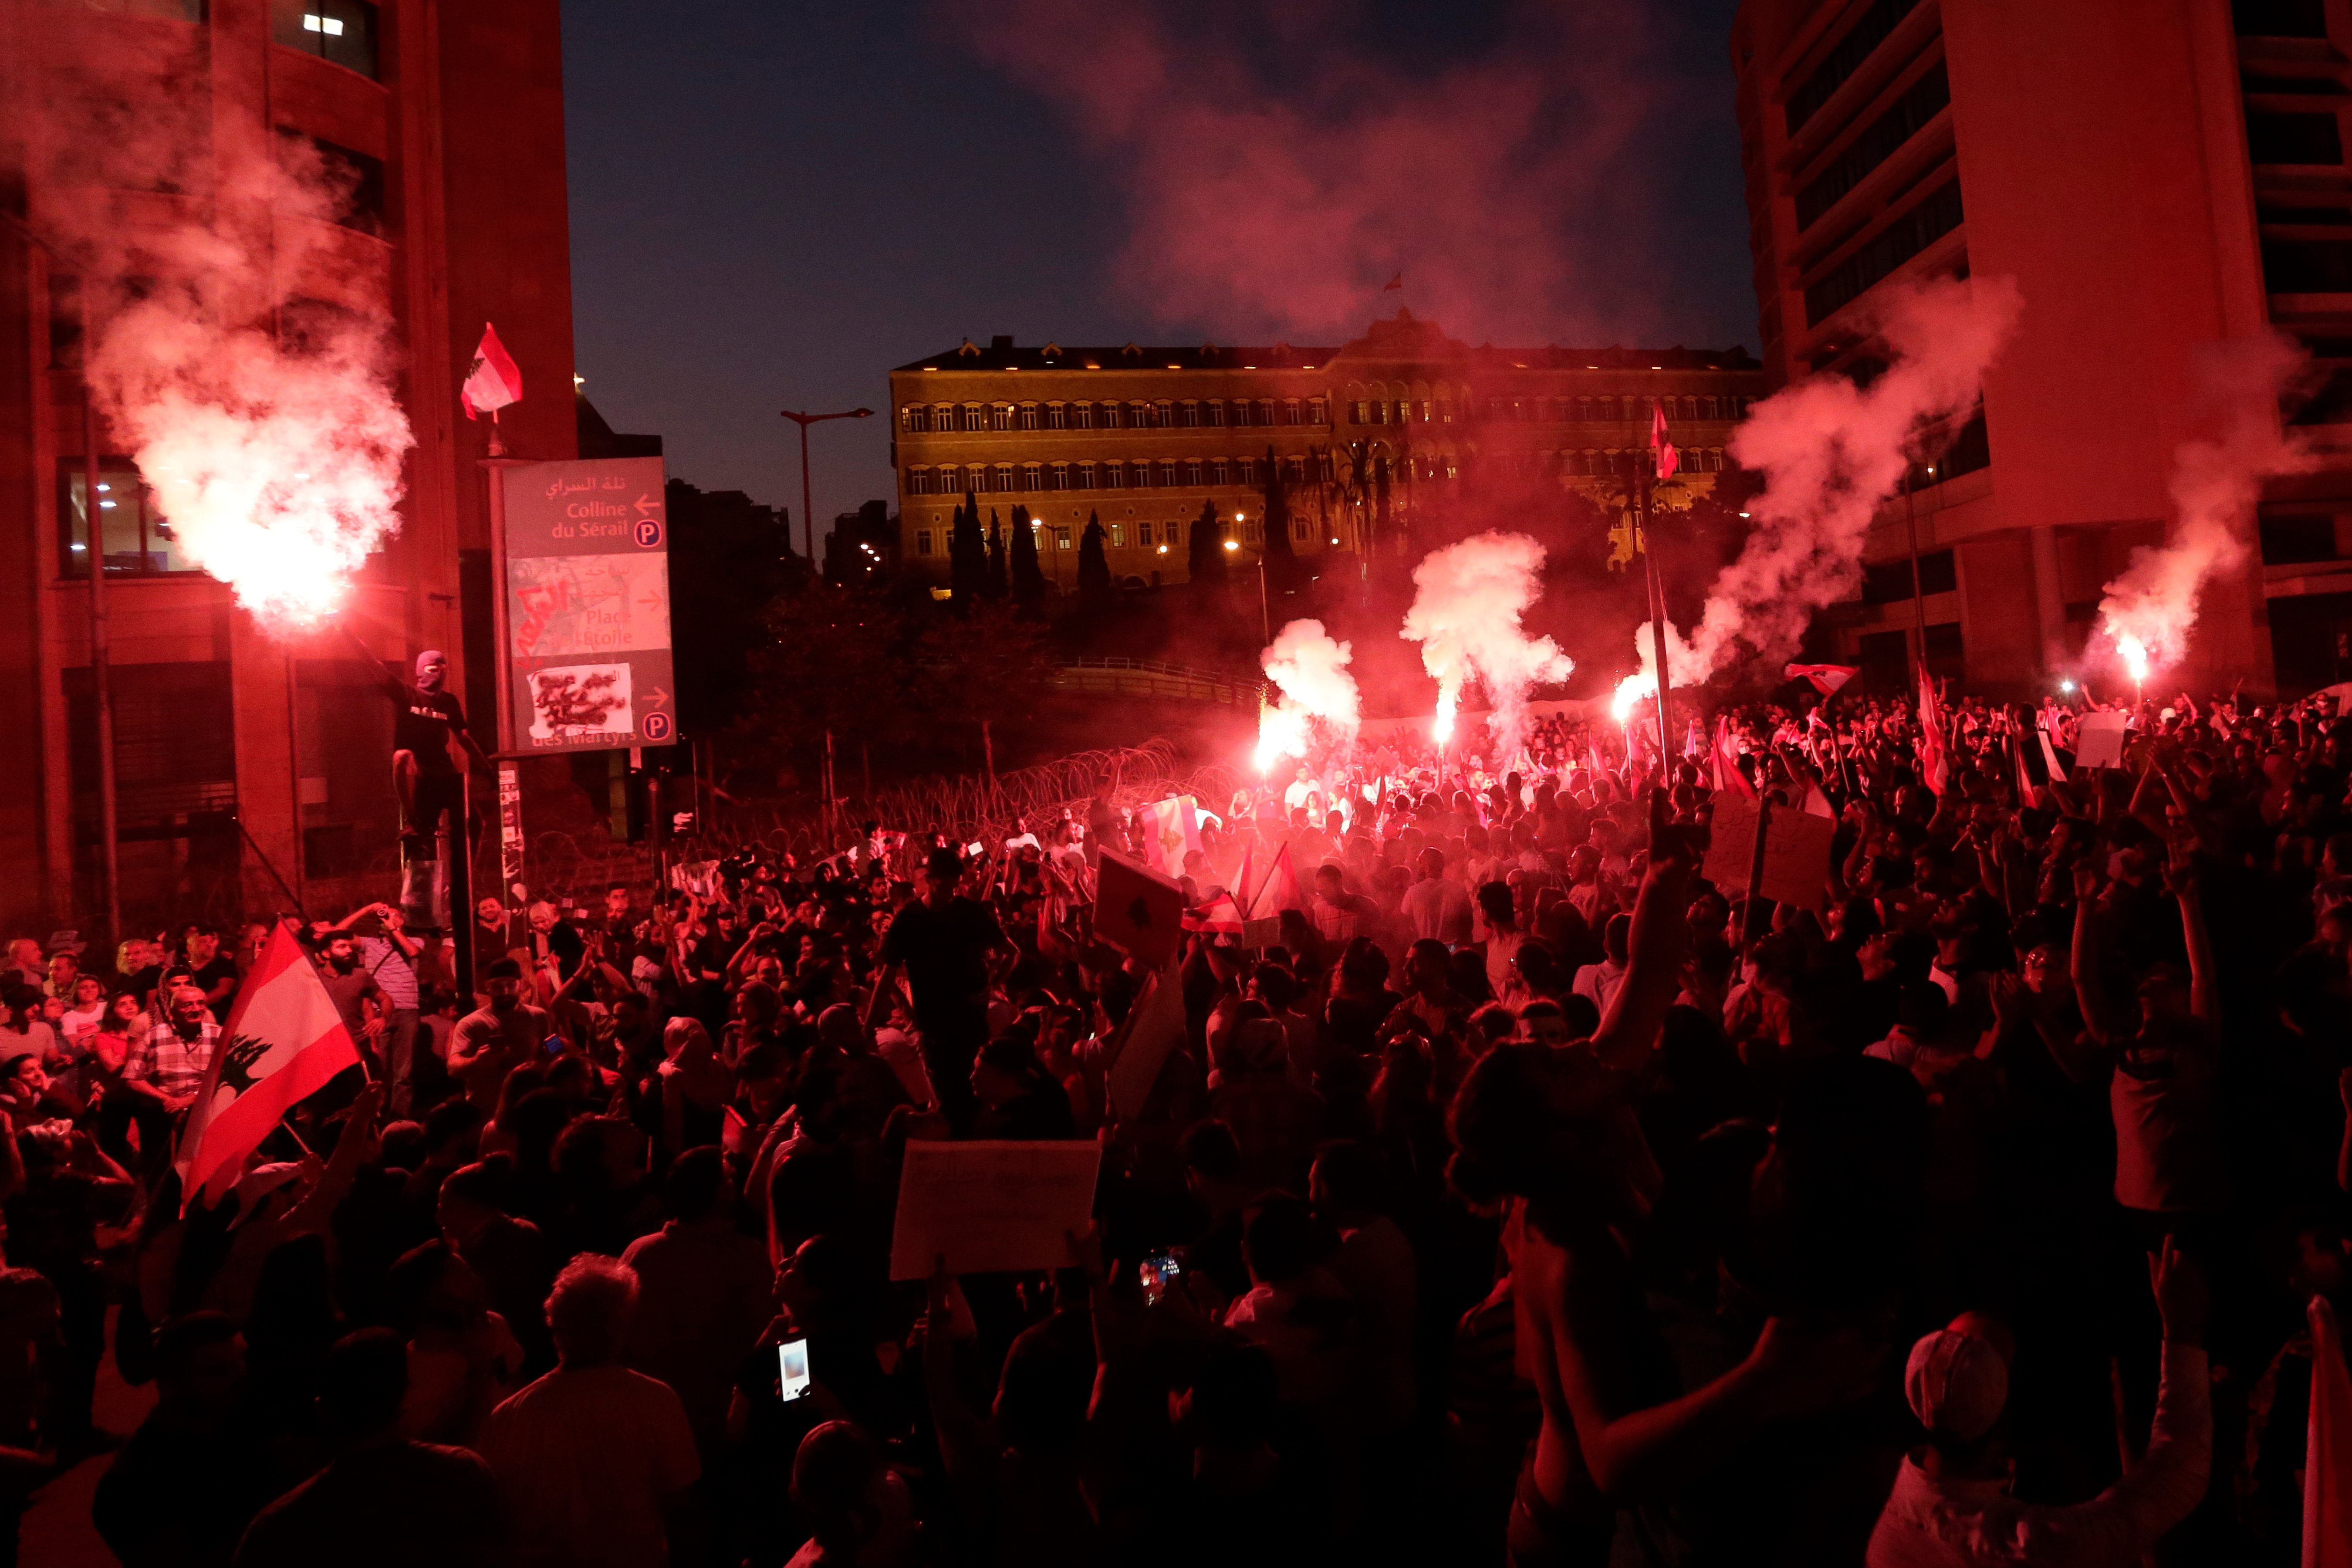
1729, 778
1170, 830
1668, 459
283, 1041
1935, 755
1826, 678
491, 381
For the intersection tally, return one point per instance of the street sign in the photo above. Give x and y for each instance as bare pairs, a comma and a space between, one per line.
587, 599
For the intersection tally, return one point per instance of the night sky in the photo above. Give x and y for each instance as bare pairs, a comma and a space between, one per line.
773, 203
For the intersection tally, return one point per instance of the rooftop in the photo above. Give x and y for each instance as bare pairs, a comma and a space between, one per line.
1388, 340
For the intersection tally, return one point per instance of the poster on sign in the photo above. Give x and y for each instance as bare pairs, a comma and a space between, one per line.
1796, 852
586, 600
991, 1205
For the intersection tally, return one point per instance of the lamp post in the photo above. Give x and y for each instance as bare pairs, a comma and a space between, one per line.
803, 419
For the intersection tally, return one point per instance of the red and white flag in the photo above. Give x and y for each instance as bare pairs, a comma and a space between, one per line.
1171, 830
1726, 761
1279, 891
1668, 459
491, 381
283, 1041
1826, 678
1935, 746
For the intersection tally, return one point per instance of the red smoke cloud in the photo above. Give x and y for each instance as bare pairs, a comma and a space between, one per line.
1279, 172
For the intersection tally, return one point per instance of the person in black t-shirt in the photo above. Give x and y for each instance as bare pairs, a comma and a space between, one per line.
942, 943
425, 717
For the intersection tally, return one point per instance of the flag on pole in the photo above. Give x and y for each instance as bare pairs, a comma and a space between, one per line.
283, 1041
1726, 761
1393, 283
491, 381
1279, 891
1935, 757
1171, 829
1826, 678
2327, 1447
1668, 459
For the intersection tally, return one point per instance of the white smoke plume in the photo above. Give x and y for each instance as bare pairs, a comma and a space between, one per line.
240, 343
1830, 451
1467, 603
1320, 701
2150, 608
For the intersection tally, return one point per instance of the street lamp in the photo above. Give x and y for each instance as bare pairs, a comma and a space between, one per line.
808, 523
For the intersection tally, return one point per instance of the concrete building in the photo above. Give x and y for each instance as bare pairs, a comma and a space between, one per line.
2158, 176
253, 771
1143, 436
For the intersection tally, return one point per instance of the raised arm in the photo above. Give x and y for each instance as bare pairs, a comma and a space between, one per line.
1653, 964
2098, 1022
2180, 877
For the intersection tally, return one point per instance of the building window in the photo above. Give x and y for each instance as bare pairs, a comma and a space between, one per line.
973, 417
1220, 472
1057, 418
1934, 217
1061, 537
1058, 476
133, 534
1300, 531
1028, 417
1032, 477
1845, 57
2274, 136
1359, 412
341, 32
1323, 467
1163, 415
1000, 417
1168, 473
1250, 530
1086, 476
943, 417
1118, 536
922, 541
918, 481
1920, 102
1005, 479
1114, 476
1138, 417
1244, 412
1188, 413
2279, 18
914, 418
1245, 471
1192, 472
1082, 416
1318, 411
356, 181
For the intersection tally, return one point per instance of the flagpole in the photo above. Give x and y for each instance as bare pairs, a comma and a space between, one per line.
1657, 596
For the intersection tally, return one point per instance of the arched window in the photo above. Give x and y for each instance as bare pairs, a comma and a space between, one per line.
1056, 416
1005, 477
1028, 417
914, 417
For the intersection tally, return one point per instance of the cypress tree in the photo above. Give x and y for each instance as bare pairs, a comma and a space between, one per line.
996, 586
1205, 558
1028, 579
1281, 561
967, 556
1094, 567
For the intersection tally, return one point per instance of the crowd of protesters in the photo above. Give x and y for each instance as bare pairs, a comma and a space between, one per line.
1520, 1193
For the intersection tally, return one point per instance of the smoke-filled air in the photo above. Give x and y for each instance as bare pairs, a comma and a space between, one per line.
2150, 608
239, 343
1319, 707
1830, 450
1468, 599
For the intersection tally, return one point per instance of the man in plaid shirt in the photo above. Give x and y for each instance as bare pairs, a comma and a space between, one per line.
167, 1065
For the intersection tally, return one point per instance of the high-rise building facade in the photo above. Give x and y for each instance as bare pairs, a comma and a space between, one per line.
2159, 177
1143, 436
252, 769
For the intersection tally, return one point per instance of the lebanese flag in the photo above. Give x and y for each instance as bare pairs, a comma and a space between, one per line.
2328, 1451
1279, 891
283, 1041
1668, 459
491, 381
1220, 916
1171, 829
1826, 678
1727, 775
1934, 754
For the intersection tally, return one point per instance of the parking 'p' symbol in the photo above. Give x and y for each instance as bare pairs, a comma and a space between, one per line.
657, 727
647, 532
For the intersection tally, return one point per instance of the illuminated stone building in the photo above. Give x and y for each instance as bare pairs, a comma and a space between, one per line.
1143, 436
254, 773
2158, 176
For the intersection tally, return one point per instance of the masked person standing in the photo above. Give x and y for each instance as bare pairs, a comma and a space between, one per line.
425, 718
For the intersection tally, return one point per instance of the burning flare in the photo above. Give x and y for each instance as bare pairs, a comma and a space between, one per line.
1830, 450
1466, 613
2216, 481
1319, 696
1632, 689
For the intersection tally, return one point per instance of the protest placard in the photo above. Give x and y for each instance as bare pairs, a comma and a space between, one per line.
1137, 910
991, 1205
1154, 1028
2099, 740
1796, 851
